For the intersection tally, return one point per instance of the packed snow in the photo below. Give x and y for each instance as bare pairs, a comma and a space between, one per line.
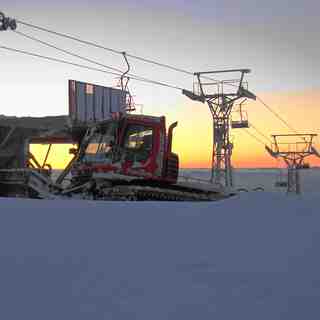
254, 256
251, 179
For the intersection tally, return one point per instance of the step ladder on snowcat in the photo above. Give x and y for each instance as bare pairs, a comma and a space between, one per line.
240, 118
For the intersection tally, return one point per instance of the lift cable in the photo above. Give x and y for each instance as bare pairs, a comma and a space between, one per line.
68, 37
78, 56
99, 46
56, 60
280, 118
88, 67
277, 116
254, 137
260, 132
64, 51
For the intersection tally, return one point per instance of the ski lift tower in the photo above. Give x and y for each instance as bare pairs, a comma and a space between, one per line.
220, 95
293, 149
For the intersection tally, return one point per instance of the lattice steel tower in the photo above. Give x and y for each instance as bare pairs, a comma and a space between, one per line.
293, 149
220, 95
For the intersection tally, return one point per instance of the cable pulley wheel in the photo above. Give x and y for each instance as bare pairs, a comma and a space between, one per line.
13, 24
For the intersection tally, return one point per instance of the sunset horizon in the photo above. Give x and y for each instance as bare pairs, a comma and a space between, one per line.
285, 82
194, 143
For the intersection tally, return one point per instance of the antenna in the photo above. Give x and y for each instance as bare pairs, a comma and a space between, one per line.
220, 95
124, 82
293, 149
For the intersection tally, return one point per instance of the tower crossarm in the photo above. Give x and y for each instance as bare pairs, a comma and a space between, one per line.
293, 149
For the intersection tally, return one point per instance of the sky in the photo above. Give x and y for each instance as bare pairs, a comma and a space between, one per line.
277, 40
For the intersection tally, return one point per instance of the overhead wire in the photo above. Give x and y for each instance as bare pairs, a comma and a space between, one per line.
67, 36
45, 43
280, 118
259, 132
99, 46
254, 137
277, 115
25, 35
33, 54
132, 76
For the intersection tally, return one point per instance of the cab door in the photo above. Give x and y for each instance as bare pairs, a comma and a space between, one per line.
141, 149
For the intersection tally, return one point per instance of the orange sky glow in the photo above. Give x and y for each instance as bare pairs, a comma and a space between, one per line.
193, 136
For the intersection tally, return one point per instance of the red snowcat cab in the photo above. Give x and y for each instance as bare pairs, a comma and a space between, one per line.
136, 146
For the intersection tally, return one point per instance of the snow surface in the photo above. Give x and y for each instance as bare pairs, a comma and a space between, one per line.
252, 178
250, 257
265, 178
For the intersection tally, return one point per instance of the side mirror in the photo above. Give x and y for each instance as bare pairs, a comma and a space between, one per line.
73, 151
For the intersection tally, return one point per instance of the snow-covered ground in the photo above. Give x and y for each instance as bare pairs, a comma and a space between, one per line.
250, 179
250, 257
266, 178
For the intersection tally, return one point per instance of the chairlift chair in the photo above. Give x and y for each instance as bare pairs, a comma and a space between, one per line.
281, 181
240, 120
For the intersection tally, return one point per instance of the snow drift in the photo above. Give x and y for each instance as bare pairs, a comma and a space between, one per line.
250, 257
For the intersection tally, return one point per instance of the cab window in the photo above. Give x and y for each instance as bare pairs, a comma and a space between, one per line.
138, 142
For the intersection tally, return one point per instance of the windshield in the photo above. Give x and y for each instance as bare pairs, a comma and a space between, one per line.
100, 144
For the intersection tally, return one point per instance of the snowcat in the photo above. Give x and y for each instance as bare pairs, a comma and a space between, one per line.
131, 158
